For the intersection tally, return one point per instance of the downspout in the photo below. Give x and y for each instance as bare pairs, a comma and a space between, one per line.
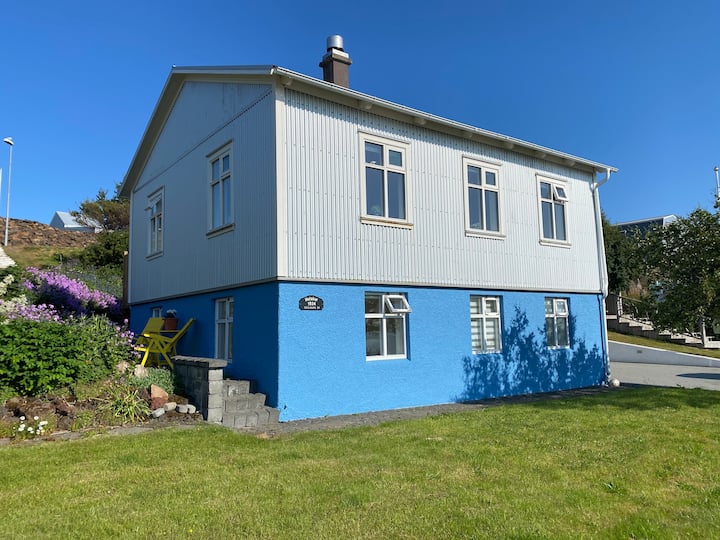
602, 269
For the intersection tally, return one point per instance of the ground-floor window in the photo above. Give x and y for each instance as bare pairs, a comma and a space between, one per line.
557, 328
485, 327
224, 328
385, 326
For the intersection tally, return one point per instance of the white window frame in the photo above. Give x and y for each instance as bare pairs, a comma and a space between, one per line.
558, 197
224, 313
483, 187
156, 223
388, 145
483, 314
557, 309
393, 306
226, 197
157, 312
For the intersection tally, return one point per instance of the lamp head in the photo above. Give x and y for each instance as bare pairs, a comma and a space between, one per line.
8, 140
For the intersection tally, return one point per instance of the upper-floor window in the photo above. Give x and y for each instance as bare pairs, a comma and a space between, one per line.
553, 214
485, 325
221, 189
482, 197
385, 182
385, 330
557, 328
155, 223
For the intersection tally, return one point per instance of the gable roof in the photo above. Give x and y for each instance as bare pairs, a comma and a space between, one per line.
269, 74
65, 220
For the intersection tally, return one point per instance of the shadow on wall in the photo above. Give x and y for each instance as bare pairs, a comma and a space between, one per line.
526, 365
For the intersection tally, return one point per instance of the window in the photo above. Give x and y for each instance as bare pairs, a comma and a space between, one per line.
155, 223
556, 322
482, 203
485, 324
220, 189
385, 329
157, 312
224, 328
553, 199
385, 179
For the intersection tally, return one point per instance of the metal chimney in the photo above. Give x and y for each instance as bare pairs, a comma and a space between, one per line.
336, 62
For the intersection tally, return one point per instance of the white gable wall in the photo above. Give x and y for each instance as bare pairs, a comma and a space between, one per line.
205, 117
327, 241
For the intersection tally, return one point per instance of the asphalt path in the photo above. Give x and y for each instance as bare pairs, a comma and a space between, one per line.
666, 375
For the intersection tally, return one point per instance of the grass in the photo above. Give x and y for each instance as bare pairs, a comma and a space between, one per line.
633, 463
637, 340
40, 256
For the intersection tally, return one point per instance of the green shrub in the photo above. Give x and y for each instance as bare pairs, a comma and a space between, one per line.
38, 357
158, 376
123, 404
83, 420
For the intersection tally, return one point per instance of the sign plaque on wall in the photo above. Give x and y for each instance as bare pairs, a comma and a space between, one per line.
311, 303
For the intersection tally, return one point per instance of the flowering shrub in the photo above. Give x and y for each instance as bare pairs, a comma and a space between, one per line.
70, 297
20, 308
29, 429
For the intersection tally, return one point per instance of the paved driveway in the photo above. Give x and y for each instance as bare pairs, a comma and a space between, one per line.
666, 375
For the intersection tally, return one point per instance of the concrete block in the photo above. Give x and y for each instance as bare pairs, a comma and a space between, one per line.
214, 401
257, 400
238, 403
215, 387
274, 415
214, 375
232, 388
213, 416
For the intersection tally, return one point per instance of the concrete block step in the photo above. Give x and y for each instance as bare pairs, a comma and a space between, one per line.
235, 388
243, 402
257, 417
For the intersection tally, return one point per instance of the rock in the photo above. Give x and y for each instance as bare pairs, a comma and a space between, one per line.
157, 413
122, 367
170, 406
158, 397
182, 409
62, 407
191, 409
140, 371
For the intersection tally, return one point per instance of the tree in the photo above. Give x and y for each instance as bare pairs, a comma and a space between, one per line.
621, 257
683, 262
109, 214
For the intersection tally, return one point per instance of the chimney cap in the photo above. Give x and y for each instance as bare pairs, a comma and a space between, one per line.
334, 42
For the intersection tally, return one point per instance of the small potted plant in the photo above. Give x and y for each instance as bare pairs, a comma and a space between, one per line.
171, 321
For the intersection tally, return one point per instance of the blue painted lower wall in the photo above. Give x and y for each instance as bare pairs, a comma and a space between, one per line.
312, 363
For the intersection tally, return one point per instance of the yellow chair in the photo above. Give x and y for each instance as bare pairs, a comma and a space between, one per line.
153, 326
155, 343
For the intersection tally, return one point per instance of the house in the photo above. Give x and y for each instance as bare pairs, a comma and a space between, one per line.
66, 222
643, 226
351, 254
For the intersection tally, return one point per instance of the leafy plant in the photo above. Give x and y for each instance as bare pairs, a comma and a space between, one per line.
158, 376
123, 404
30, 429
83, 420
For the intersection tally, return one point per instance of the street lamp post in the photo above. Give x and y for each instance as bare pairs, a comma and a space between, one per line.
717, 187
8, 141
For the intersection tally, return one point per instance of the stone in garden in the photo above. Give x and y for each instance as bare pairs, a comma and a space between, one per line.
62, 407
183, 409
157, 413
158, 397
122, 367
192, 409
140, 371
170, 406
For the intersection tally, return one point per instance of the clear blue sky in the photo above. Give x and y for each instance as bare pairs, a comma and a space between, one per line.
632, 84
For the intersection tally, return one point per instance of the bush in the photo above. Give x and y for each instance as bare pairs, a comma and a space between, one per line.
158, 376
38, 357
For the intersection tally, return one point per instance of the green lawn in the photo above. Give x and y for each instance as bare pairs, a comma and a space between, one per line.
637, 340
632, 463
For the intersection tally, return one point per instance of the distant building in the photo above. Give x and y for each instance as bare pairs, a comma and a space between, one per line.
644, 226
65, 222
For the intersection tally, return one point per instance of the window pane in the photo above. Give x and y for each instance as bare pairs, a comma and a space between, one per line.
216, 205
226, 163
373, 337
373, 153
227, 199
374, 192
545, 191
491, 305
562, 332
490, 178
373, 303
475, 334
547, 220
220, 345
560, 192
491, 334
475, 208
158, 206
216, 169
492, 222
560, 221
158, 233
475, 305
560, 306
550, 331
396, 195
231, 309
395, 335
549, 306
229, 340
395, 158
473, 175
